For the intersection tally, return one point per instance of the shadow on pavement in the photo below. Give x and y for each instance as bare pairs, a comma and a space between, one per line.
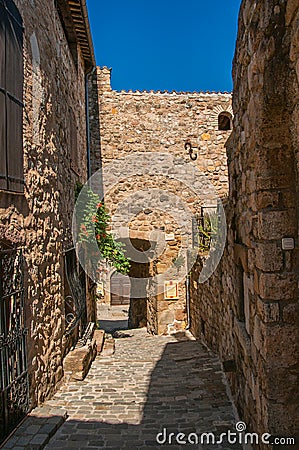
186, 394
112, 325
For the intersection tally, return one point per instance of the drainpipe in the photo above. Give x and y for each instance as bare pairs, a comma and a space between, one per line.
90, 72
187, 284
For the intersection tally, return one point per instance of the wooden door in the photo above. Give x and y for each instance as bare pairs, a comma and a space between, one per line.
120, 288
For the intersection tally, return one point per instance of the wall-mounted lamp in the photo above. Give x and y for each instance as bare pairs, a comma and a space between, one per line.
189, 148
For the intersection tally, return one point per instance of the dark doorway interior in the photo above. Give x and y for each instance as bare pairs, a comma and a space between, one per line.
140, 269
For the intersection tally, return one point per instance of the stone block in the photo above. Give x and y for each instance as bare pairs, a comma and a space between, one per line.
257, 334
277, 182
241, 255
280, 344
276, 224
99, 336
268, 312
165, 317
268, 257
242, 336
78, 361
180, 314
161, 268
289, 198
33, 429
164, 305
277, 286
291, 9
267, 199
290, 314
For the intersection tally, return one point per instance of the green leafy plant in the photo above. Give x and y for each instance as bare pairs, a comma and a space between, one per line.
93, 220
206, 231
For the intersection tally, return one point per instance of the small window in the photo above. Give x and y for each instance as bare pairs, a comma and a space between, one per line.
224, 121
11, 98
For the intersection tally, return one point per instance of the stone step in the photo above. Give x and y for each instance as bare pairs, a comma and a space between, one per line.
99, 337
35, 431
78, 361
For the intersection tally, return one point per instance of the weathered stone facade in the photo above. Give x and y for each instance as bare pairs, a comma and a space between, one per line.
152, 193
248, 310
55, 158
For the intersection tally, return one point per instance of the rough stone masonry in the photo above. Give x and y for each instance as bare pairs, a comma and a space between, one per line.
55, 158
248, 310
157, 194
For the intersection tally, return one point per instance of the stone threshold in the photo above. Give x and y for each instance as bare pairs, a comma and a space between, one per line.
35, 430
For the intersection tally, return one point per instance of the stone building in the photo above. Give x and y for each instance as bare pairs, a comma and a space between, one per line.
248, 310
46, 54
163, 161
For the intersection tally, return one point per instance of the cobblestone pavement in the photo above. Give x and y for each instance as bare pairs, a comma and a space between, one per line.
151, 383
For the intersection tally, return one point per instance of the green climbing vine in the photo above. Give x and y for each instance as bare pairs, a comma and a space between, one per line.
94, 221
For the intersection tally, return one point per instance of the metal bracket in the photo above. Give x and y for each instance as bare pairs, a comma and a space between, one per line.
189, 148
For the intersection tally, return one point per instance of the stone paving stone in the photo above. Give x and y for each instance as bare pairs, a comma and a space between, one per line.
36, 430
40, 439
150, 383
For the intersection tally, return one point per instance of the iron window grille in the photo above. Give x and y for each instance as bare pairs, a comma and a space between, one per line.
75, 300
14, 384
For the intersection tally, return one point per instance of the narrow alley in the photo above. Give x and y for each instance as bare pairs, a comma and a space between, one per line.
150, 383
149, 225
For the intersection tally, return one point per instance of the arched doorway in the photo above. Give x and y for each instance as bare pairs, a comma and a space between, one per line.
120, 289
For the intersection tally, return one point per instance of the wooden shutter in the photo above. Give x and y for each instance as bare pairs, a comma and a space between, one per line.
11, 101
3, 25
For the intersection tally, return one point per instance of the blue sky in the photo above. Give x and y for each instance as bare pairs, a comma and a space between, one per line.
166, 44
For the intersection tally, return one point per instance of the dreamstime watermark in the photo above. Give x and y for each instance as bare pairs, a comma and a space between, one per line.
240, 436
162, 183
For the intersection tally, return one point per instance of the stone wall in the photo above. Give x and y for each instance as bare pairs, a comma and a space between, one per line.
248, 310
150, 197
54, 133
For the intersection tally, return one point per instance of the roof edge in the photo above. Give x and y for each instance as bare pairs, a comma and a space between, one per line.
79, 13
88, 31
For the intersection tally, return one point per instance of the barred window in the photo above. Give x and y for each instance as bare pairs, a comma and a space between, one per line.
11, 98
